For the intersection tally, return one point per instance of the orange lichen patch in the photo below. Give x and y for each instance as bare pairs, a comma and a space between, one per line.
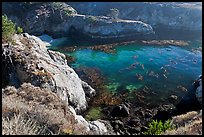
45, 75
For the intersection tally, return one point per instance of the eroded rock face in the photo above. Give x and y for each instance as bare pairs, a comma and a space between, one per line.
169, 19
33, 63
55, 20
172, 14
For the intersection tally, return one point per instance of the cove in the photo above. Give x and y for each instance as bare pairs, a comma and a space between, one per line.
165, 70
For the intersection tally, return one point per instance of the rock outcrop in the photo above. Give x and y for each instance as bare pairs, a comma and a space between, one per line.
120, 111
60, 19
33, 63
28, 60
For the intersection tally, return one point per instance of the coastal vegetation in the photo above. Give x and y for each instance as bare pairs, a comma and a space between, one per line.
158, 127
9, 29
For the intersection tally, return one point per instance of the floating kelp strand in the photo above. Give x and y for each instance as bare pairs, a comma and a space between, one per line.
164, 69
167, 65
139, 76
142, 66
164, 75
182, 88
152, 73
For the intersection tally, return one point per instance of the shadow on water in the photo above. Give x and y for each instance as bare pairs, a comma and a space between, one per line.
187, 103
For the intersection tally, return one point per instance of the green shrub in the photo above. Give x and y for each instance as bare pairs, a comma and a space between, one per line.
57, 5
93, 19
19, 30
69, 12
9, 29
156, 128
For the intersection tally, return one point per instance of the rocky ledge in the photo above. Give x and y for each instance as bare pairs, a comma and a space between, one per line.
28, 60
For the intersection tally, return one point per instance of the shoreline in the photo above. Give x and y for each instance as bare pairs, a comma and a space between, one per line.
110, 48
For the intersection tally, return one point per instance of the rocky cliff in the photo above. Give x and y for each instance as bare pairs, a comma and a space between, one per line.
60, 19
172, 20
28, 60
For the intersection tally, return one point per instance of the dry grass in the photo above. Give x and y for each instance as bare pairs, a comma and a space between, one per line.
181, 119
187, 124
18, 125
31, 110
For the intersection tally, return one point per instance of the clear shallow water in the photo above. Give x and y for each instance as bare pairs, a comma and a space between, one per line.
163, 68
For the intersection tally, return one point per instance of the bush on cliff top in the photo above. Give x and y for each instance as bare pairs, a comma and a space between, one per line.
9, 29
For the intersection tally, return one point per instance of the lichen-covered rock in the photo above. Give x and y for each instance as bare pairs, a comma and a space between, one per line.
33, 63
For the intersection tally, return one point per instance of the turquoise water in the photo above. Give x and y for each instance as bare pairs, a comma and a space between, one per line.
163, 68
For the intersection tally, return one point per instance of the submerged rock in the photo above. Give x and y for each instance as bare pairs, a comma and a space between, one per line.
120, 111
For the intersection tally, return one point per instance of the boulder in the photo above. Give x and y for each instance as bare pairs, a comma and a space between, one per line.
120, 111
